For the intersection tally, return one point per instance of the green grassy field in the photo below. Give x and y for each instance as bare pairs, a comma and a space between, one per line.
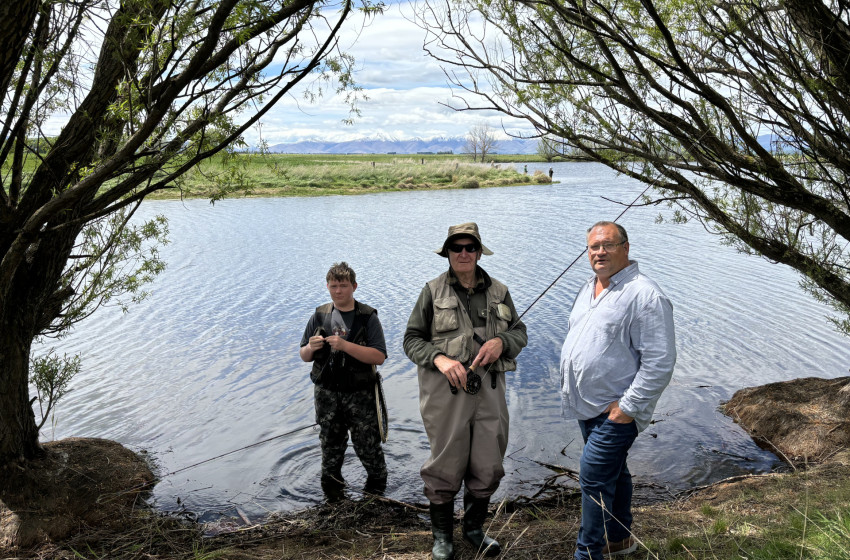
329, 174
274, 175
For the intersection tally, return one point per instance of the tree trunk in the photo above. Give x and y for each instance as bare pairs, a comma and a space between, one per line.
27, 310
16, 19
18, 431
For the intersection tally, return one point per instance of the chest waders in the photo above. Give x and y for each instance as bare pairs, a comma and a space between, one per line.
467, 433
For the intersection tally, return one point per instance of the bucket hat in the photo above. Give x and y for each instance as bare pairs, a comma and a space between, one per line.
469, 229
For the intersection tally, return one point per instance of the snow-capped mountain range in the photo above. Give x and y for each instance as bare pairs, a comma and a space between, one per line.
456, 145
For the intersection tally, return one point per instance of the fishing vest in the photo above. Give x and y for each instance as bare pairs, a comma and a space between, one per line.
338, 371
452, 331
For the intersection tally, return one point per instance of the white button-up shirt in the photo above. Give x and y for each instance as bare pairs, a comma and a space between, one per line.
621, 346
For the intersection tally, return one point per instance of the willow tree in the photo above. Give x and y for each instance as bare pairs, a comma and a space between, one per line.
736, 111
146, 89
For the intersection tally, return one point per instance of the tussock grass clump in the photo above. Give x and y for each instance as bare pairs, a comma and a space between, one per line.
804, 420
541, 178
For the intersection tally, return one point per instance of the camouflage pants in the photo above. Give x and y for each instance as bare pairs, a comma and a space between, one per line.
338, 413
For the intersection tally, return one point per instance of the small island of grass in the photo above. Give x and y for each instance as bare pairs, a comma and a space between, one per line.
277, 175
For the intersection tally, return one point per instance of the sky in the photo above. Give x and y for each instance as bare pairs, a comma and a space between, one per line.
404, 86
406, 92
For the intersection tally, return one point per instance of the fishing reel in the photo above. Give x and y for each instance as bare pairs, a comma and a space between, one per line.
473, 383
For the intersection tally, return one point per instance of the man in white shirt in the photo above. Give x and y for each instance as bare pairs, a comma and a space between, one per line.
616, 360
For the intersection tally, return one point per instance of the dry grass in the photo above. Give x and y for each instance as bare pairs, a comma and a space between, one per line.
800, 515
740, 518
281, 176
802, 420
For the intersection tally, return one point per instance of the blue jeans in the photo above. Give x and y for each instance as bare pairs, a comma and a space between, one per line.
605, 479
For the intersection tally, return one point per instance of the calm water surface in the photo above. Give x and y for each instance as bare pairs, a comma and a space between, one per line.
209, 363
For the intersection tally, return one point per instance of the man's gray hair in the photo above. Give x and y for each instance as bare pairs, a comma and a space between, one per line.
623, 235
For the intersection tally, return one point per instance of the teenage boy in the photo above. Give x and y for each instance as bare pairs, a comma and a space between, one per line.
345, 341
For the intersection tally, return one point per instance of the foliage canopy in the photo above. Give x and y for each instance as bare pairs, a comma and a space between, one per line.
736, 111
147, 89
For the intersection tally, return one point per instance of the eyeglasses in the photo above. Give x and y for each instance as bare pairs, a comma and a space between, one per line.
607, 246
458, 247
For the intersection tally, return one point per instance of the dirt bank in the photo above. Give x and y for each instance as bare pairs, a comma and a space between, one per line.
803, 420
79, 483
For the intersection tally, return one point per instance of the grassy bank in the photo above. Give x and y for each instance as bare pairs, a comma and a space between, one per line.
278, 175
331, 174
799, 515
802, 515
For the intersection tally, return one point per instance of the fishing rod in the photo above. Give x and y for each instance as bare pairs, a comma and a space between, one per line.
580, 255
473, 380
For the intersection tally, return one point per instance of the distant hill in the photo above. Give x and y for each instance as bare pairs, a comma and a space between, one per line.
455, 145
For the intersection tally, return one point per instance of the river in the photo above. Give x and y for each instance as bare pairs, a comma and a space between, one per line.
209, 363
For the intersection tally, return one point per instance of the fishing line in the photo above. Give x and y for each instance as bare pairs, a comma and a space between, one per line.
238, 450
519, 318
144, 485
575, 260
620, 215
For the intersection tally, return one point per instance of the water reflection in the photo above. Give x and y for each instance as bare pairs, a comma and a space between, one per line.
210, 362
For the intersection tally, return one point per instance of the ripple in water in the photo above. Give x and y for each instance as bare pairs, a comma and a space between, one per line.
209, 363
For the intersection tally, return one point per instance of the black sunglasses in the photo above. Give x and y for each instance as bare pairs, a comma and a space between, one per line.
458, 247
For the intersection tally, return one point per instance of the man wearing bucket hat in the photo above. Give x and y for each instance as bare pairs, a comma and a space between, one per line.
463, 320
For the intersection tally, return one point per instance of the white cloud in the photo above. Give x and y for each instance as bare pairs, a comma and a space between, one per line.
406, 91
389, 112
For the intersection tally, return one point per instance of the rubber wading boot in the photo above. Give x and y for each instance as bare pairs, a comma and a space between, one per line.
442, 527
333, 487
375, 485
474, 512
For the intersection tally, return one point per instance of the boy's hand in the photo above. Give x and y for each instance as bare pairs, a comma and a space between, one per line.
316, 343
336, 342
